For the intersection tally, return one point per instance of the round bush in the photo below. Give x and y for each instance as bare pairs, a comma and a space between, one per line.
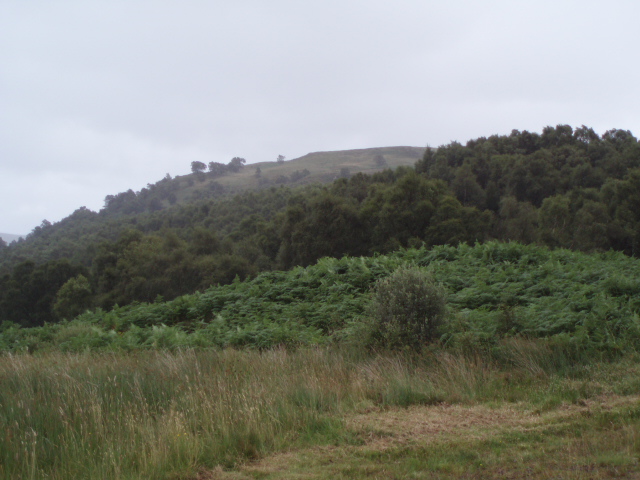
406, 309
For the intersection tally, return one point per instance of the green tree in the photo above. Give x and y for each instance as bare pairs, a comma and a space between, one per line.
217, 169
324, 226
592, 221
533, 178
236, 164
556, 222
453, 223
427, 161
518, 221
27, 295
407, 309
402, 210
198, 167
204, 242
467, 189
73, 298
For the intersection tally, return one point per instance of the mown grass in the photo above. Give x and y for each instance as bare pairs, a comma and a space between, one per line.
582, 443
189, 413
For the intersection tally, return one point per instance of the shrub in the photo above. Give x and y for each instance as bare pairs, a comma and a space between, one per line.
406, 309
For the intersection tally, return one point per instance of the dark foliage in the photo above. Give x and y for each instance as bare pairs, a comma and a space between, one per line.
564, 187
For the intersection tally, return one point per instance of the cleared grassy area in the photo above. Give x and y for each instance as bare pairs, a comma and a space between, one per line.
318, 413
584, 423
597, 438
323, 167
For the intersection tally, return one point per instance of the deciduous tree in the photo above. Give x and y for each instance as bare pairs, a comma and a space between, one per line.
197, 167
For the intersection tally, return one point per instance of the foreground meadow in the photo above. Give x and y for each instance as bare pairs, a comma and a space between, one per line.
524, 409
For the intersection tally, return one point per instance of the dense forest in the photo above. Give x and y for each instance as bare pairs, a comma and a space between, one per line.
565, 187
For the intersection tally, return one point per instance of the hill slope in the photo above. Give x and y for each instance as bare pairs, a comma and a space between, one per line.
325, 167
562, 188
493, 290
316, 167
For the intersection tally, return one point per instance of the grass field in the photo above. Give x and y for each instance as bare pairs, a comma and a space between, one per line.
323, 167
530, 412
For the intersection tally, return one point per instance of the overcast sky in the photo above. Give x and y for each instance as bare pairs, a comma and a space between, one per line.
97, 97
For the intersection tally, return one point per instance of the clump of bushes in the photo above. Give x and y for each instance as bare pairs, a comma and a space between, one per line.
407, 308
494, 290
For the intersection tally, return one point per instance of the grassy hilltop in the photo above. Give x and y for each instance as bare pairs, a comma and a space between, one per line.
324, 167
317, 167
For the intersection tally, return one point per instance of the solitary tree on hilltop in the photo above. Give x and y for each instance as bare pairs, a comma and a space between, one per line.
236, 164
198, 167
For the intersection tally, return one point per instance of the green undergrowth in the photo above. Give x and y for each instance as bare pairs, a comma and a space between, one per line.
584, 302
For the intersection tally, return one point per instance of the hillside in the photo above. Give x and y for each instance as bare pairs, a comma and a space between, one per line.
563, 188
323, 167
317, 167
493, 290
217, 180
473, 316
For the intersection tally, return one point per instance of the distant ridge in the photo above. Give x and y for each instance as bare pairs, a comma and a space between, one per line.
316, 167
223, 180
10, 237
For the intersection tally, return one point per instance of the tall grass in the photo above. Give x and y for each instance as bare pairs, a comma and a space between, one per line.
170, 415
